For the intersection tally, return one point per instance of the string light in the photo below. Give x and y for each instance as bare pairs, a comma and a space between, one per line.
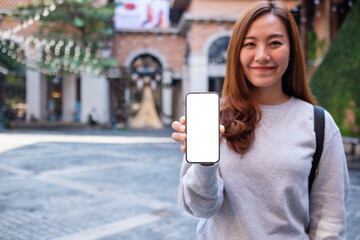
36, 45
45, 13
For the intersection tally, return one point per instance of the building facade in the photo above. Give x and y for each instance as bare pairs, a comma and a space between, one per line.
161, 65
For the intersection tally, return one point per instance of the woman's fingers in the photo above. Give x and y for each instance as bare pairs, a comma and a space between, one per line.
179, 136
179, 127
183, 148
182, 120
222, 129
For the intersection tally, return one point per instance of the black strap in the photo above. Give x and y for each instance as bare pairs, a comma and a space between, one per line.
319, 126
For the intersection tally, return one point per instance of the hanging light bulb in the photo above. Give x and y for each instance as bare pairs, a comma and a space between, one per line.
52, 8
46, 12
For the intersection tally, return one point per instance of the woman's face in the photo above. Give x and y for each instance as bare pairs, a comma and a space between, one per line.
265, 52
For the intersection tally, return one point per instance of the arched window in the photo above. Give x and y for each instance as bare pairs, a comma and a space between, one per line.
218, 51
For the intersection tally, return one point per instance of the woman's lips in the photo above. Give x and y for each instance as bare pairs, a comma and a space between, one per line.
262, 68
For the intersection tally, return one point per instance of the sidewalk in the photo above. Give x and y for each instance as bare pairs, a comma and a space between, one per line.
102, 185
93, 130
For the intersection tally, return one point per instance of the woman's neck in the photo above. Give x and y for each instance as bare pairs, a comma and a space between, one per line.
270, 97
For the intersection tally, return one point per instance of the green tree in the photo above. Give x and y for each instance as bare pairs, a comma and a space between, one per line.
74, 33
11, 64
336, 83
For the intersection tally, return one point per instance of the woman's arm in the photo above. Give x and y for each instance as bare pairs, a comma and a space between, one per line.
200, 189
329, 191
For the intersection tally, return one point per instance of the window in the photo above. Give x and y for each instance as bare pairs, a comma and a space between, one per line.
218, 51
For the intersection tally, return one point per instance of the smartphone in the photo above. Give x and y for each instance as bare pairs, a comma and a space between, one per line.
202, 113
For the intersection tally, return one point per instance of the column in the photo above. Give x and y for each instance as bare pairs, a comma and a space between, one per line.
68, 98
198, 77
34, 96
167, 98
94, 95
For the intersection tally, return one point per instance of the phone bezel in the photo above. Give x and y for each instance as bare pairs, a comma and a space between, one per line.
218, 126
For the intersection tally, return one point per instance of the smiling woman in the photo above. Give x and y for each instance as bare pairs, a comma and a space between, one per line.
265, 56
241, 111
259, 189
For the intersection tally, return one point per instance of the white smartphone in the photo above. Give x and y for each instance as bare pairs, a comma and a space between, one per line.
202, 113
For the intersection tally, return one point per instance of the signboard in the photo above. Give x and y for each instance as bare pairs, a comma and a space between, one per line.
135, 14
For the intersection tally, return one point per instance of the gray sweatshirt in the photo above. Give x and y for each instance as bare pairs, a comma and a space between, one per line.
264, 193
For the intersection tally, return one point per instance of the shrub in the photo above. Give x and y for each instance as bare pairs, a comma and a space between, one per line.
336, 83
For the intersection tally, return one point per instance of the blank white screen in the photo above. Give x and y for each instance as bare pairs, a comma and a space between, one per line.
202, 127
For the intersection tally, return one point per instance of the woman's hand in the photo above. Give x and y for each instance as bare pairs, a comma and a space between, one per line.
180, 136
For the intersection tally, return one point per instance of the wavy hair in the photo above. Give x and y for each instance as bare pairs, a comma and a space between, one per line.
240, 114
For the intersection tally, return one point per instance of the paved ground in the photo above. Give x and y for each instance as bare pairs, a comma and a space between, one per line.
101, 185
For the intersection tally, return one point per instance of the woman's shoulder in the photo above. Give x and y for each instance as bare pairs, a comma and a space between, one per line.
301, 104
330, 125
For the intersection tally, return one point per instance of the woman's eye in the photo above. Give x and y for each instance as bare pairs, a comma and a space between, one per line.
275, 43
250, 44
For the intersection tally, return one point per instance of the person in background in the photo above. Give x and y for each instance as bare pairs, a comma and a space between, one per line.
259, 188
93, 117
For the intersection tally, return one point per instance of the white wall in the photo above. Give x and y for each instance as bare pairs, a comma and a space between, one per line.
94, 94
197, 73
68, 97
33, 95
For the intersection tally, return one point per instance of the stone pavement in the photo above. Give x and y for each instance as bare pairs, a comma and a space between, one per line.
101, 185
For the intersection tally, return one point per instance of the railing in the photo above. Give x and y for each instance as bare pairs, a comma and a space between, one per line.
353, 141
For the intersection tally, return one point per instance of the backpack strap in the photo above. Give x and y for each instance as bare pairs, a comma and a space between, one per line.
319, 126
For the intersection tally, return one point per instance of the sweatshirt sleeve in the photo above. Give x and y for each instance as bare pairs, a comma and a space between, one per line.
330, 189
200, 189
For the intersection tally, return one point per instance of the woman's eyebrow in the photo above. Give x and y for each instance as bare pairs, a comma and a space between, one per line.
276, 35
250, 37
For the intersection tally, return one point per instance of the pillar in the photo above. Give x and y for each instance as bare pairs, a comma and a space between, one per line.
94, 94
166, 98
34, 96
198, 77
68, 98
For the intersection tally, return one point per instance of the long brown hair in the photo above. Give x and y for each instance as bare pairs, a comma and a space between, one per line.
239, 112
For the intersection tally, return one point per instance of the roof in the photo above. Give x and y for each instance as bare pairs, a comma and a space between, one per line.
10, 4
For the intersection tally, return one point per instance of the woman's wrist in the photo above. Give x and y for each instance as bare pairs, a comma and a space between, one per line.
207, 164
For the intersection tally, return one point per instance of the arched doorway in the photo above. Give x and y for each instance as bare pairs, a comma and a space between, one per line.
145, 91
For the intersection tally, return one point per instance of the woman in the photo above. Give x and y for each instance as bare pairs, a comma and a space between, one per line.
259, 188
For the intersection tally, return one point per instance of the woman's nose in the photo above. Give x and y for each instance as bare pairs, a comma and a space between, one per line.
262, 55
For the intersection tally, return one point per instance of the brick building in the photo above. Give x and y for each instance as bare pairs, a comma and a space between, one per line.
189, 55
